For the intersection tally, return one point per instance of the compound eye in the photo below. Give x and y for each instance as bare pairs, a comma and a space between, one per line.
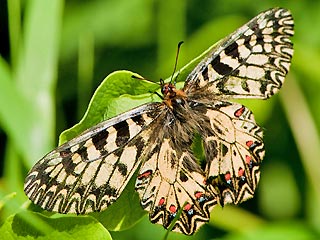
165, 90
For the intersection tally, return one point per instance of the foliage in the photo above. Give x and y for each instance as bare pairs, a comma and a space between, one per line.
61, 50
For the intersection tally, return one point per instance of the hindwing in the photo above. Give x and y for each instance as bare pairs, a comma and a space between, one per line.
234, 149
171, 180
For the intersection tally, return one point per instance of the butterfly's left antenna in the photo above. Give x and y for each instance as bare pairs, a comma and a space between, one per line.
176, 62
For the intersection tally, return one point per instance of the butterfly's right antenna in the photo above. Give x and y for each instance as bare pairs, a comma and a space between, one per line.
176, 63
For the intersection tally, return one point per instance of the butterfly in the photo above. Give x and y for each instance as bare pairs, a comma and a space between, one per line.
155, 140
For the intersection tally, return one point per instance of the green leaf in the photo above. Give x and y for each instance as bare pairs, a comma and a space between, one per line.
30, 225
117, 90
5, 199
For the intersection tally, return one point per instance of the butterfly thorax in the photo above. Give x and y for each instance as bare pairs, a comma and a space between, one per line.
171, 94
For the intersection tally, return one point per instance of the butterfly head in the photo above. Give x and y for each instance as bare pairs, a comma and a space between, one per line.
171, 94
168, 89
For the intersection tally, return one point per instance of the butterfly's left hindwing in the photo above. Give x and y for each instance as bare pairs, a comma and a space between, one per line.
89, 172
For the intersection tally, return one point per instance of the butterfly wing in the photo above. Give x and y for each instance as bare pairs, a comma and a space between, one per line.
89, 172
234, 149
171, 181
250, 63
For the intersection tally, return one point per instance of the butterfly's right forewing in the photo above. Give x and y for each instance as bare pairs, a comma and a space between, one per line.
250, 63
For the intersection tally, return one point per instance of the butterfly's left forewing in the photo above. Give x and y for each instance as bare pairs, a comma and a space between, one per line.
89, 172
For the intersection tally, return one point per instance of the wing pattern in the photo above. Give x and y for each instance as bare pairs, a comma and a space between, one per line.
234, 150
250, 63
89, 172
176, 183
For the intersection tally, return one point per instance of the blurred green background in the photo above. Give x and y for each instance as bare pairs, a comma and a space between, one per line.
54, 54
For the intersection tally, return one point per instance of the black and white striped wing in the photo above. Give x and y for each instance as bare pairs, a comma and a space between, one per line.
250, 63
89, 172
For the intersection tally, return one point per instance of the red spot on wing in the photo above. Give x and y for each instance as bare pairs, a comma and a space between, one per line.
198, 195
161, 201
249, 143
227, 176
145, 174
239, 112
172, 208
187, 207
240, 172
248, 159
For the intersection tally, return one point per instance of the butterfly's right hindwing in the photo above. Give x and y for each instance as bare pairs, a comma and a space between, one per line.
89, 172
169, 181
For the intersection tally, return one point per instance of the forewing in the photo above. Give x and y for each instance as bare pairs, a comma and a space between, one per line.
170, 181
250, 63
89, 172
234, 150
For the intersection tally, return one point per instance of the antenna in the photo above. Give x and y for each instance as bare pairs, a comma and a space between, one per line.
176, 62
174, 69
